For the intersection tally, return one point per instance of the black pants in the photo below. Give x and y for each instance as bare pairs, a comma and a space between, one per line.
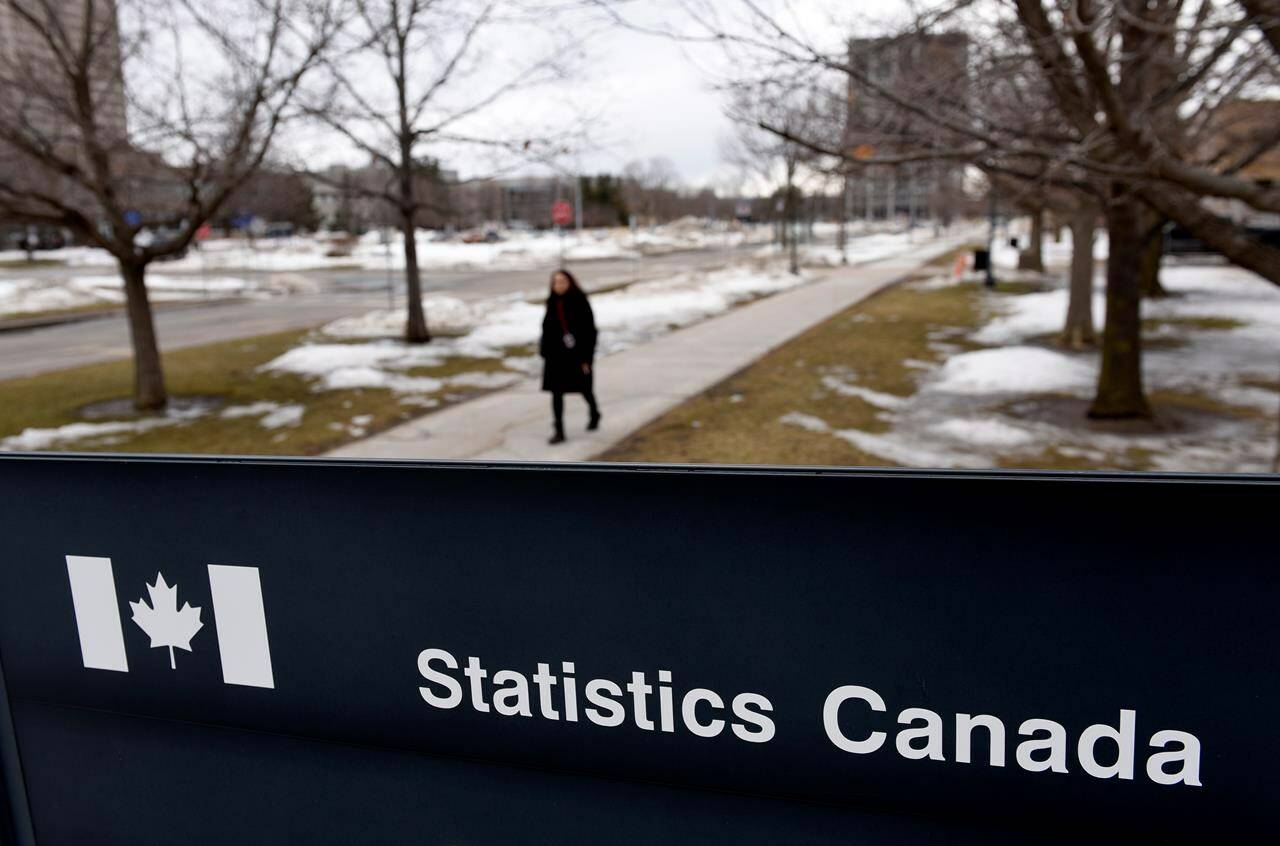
557, 407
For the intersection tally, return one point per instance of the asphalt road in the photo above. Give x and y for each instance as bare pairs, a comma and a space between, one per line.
343, 293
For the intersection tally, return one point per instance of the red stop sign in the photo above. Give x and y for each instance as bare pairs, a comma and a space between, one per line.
561, 213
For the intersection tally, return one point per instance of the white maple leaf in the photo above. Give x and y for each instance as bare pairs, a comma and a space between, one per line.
162, 620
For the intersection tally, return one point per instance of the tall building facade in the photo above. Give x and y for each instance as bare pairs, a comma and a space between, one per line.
39, 105
922, 68
34, 89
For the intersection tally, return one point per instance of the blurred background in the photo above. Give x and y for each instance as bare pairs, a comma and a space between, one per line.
1003, 233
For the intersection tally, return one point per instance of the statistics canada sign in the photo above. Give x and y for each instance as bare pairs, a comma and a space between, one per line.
749, 716
265, 651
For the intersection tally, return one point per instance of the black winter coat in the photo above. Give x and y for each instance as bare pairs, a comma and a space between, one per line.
568, 314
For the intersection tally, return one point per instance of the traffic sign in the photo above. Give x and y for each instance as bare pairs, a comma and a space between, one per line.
561, 213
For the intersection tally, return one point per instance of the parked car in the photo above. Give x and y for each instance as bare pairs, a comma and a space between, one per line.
33, 238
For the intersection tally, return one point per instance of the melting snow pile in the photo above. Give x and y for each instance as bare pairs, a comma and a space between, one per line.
978, 408
380, 250
30, 296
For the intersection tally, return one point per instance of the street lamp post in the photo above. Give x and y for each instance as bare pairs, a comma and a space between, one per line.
846, 200
990, 279
577, 204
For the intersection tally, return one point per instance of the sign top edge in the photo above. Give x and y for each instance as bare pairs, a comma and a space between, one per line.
1266, 479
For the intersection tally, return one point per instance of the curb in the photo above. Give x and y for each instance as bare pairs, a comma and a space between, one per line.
24, 324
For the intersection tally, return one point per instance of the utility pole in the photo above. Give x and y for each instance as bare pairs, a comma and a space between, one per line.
891, 197
577, 205
911, 199
846, 200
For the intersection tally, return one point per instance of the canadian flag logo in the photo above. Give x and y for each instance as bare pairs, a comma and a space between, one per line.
239, 619
163, 622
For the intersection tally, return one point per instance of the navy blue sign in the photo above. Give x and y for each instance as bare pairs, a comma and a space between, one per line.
271, 651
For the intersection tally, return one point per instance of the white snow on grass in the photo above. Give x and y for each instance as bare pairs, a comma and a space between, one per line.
983, 407
371, 365
1215, 361
254, 409
287, 415
31, 296
379, 250
272, 415
886, 447
847, 389
33, 440
1013, 370
984, 432
1033, 315
805, 421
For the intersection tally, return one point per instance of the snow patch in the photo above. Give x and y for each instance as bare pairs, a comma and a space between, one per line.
287, 415
804, 421
876, 398
1013, 370
985, 431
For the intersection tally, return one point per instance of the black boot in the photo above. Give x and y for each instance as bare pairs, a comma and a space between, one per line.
594, 422
557, 418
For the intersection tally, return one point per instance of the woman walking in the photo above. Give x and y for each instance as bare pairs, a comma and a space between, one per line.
568, 348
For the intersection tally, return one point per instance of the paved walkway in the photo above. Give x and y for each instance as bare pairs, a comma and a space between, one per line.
636, 385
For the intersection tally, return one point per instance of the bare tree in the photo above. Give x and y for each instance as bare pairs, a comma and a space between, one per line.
1134, 90
108, 128
413, 78
651, 187
775, 157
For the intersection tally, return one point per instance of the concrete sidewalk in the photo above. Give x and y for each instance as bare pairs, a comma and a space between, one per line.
637, 385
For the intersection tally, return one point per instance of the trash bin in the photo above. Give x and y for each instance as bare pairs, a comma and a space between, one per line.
981, 260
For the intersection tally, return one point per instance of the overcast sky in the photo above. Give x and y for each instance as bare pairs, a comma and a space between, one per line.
659, 96
652, 96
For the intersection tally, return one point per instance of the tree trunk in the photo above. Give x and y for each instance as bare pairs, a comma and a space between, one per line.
148, 374
415, 330
1078, 332
1235, 242
1032, 258
1152, 252
1120, 394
